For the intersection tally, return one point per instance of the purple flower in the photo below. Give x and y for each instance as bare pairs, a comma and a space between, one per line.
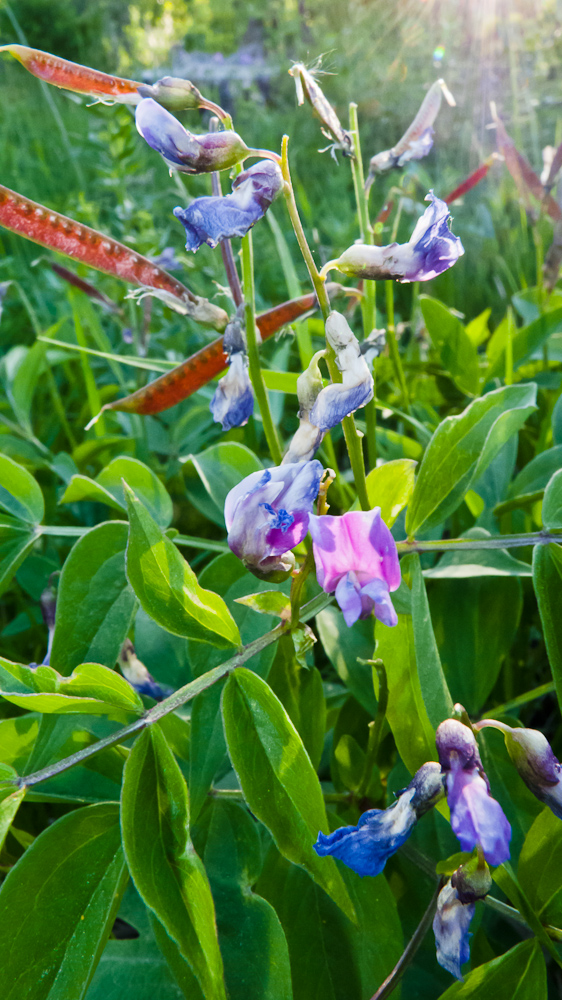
476, 817
418, 137
432, 249
380, 832
183, 151
268, 513
450, 926
210, 220
533, 757
233, 401
135, 672
356, 556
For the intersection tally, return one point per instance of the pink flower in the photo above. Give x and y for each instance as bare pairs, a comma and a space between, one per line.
356, 556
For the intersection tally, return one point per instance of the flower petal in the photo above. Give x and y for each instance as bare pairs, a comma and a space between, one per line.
233, 401
450, 927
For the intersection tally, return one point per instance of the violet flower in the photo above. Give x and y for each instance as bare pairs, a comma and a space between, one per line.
135, 672
356, 556
450, 926
233, 400
533, 757
182, 150
213, 219
268, 513
365, 848
432, 249
476, 817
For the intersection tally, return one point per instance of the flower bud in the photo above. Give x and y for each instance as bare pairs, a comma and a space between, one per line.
534, 759
174, 93
182, 150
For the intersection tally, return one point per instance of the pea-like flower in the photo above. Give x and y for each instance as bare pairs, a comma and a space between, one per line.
432, 249
268, 513
455, 910
213, 219
135, 672
476, 817
182, 150
233, 400
356, 556
380, 832
533, 757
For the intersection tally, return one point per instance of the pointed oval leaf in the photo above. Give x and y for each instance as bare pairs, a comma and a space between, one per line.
456, 351
20, 495
519, 973
90, 689
390, 486
547, 581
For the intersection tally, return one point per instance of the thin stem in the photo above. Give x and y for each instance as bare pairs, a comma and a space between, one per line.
176, 700
524, 699
471, 544
368, 301
391, 981
375, 730
509, 348
393, 344
226, 245
256, 376
297, 585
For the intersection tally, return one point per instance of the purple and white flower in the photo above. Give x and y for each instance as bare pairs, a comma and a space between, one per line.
268, 513
533, 757
418, 137
233, 401
182, 150
380, 832
432, 249
455, 910
213, 219
356, 556
135, 672
476, 817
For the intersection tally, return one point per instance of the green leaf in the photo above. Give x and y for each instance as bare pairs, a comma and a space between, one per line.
20, 495
455, 348
520, 974
217, 470
268, 602
57, 906
390, 486
285, 382
346, 648
475, 624
277, 778
301, 693
505, 877
525, 342
91, 689
108, 488
552, 502
207, 746
25, 381
547, 580
16, 542
477, 330
461, 449
330, 958
167, 587
540, 867
95, 603
253, 945
10, 801
435, 693
163, 864
536, 474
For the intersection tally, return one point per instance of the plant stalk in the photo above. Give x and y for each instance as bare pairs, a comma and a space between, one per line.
391, 981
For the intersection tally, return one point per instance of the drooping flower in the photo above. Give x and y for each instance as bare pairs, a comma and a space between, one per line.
432, 249
455, 910
213, 219
418, 137
356, 556
308, 436
233, 400
476, 817
307, 85
380, 832
182, 150
268, 513
533, 757
135, 672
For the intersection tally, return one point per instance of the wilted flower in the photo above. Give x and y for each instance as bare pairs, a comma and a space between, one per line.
268, 513
380, 832
455, 910
356, 556
307, 85
210, 220
532, 755
137, 675
476, 817
418, 138
340, 399
183, 151
432, 249
233, 400
308, 436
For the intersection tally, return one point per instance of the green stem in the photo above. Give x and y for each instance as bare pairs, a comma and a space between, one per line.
523, 699
297, 585
352, 439
391, 981
375, 730
393, 344
472, 544
509, 348
176, 700
368, 302
256, 376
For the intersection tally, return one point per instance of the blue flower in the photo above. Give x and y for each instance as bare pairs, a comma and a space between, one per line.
135, 672
267, 514
210, 220
233, 401
450, 927
366, 848
183, 151
432, 249
476, 817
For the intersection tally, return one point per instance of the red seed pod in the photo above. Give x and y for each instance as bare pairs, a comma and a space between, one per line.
71, 76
